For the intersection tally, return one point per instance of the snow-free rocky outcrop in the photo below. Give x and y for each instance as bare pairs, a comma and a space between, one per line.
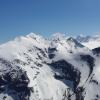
58, 68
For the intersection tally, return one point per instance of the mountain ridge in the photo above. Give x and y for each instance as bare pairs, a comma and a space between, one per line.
35, 68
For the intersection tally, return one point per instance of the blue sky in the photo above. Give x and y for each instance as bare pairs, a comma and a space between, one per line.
20, 17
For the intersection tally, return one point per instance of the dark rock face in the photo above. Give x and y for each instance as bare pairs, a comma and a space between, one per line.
14, 82
51, 52
17, 86
67, 72
96, 51
41, 51
51, 56
79, 93
77, 44
90, 61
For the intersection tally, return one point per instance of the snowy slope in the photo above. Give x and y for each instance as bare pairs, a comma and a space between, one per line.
59, 68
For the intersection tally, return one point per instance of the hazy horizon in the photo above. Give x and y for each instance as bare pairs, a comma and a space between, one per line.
47, 37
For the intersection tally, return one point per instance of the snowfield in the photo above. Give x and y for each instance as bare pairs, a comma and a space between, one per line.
58, 68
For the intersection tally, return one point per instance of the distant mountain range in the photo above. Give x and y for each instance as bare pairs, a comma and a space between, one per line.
89, 41
58, 68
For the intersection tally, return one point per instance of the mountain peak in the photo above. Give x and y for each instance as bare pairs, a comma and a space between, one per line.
34, 35
71, 40
30, 66
58, 36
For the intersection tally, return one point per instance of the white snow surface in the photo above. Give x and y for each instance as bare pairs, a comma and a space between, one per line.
32, 51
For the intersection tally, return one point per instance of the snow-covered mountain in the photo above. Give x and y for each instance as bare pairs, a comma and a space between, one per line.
89, 41
59, 68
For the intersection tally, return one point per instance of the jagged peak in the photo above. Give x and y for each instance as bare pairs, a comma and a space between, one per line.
31, 35
35, 36
74, 41
71, 39
58, 36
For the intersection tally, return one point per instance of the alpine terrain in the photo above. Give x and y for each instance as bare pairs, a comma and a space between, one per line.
58, 68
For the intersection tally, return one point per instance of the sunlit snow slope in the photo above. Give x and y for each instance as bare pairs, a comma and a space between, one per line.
59, 68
